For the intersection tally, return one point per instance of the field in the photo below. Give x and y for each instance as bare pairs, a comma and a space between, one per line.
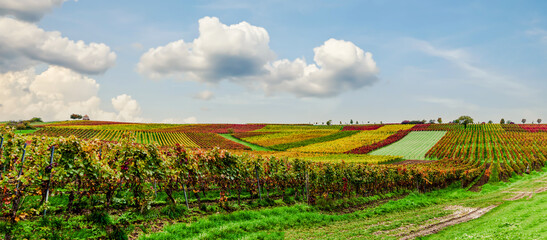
110, 179
413, 146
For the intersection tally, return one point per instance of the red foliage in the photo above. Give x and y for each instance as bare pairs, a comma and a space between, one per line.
534, 127
211, 140
215, 128
389, 140
83, 123
361, 127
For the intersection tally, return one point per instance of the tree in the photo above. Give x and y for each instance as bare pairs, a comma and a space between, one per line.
439, 120
502, 121
523, 120
356, 122
35, 119
464, 120
539, 120
329, 122
351, 121
75, 116
490, 122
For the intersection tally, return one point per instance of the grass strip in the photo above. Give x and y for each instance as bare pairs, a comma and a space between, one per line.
27, 131
254, 147
332, 137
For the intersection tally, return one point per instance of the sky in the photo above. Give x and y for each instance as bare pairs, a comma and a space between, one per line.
273, 61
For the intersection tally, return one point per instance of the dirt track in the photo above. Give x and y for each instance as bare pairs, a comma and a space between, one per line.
463, 214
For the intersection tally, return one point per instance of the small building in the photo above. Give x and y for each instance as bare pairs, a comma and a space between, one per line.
85, 117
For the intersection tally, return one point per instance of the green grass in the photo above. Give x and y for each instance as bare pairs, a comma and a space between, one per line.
413, 146
254, 147
27, 131
521, 219
332, 137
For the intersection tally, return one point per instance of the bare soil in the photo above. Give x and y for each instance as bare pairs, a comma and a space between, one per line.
462, 214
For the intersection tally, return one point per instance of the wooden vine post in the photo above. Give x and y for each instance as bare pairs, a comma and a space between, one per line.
307, 186
258, 182
50, 175
186, 197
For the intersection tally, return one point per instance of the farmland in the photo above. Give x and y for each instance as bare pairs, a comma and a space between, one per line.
87, 169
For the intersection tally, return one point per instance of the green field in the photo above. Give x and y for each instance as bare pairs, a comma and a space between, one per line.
254, 147
414, 146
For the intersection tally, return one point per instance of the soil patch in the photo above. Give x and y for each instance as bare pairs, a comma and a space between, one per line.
461, 215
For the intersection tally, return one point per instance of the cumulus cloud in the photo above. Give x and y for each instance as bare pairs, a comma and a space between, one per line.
55, 94
240, 53
28, 10
127, 107
220, 52
205, 95
340, 66
27, 45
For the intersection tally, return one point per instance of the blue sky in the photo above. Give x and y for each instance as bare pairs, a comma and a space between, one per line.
486, 59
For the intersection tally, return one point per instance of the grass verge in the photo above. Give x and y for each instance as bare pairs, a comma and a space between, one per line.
254, 147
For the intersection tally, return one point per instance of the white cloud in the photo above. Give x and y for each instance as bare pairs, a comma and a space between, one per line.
205, 95
28, 10
240, 53
340, 66
55, 94
480, 76
220, 52
127, 107
27, 44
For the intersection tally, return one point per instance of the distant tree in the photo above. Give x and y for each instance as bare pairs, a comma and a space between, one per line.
20, 125
329, 122
351, 121
356, 122
381, 122
490, 122
35, 119
340, 122
439, 120
431, 121
539, 120
523, 120
465, 120
76, 116
502, 121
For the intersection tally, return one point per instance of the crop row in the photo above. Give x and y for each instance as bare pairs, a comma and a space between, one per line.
361, 127
413, 146
327, 138
189, 140
355, 141
505, 152
215, 128
213, 140
287, 137
401, 133
95, 171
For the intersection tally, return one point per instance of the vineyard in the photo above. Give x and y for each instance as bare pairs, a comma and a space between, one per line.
67, 169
